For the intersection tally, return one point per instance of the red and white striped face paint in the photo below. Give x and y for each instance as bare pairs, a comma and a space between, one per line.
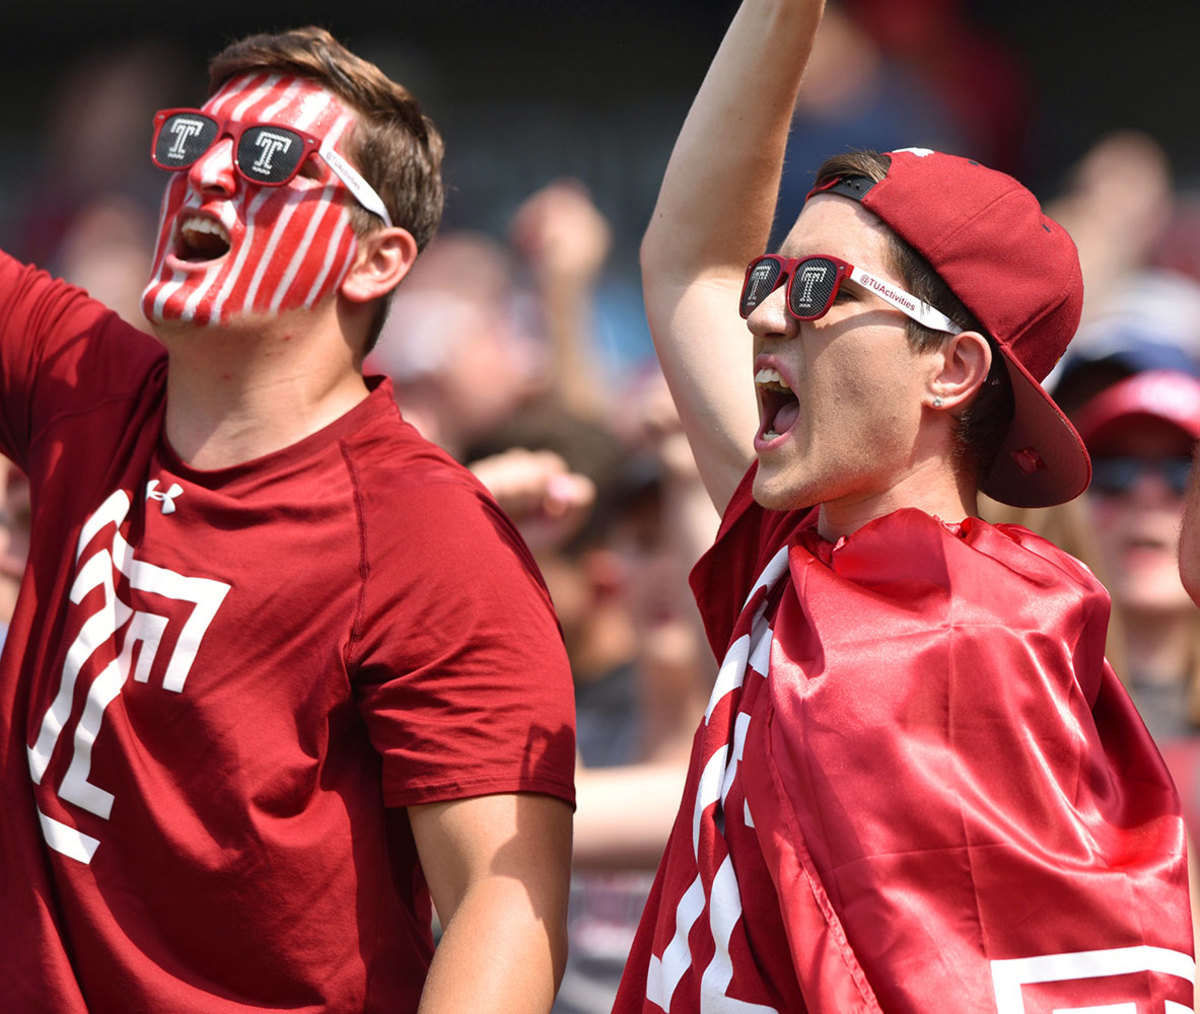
229, 249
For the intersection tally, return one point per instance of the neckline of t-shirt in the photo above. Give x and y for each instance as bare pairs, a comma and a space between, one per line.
378, 401
823, 549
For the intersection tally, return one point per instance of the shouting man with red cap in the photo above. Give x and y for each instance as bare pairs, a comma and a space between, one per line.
918, 785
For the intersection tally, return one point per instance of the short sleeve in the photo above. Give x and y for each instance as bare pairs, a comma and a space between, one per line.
461, 674
748, 537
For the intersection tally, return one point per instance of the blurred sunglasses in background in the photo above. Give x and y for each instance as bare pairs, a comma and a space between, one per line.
1112, 476
263, 153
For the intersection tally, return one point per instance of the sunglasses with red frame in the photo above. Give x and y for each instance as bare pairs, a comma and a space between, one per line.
813, 283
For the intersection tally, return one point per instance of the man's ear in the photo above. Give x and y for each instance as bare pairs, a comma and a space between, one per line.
962, 365
383, 258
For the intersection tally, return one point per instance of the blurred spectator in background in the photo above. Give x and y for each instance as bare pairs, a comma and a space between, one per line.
1141, 433
1116, 205
460, 356
95, 147
105, 250
642, 671
563, 241
1149, 328
972, 71
484, 332
856, 96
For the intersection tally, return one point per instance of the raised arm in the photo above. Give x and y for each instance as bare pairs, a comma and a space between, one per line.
713, 215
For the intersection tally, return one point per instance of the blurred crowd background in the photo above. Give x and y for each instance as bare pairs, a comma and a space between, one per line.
518, 342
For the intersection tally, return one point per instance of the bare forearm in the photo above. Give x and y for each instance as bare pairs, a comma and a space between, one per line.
718, 193
579, 377
713, 214
496, 956
498, 868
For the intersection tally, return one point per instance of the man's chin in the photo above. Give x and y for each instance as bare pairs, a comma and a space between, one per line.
777, 493
174, 319
167, 323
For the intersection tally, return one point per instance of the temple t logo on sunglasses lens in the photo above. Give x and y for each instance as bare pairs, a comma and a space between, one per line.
269, 144
266, 154
813, 284
812, 288
182, 131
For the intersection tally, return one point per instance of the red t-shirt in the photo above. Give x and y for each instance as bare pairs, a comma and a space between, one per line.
918, 787
220, 689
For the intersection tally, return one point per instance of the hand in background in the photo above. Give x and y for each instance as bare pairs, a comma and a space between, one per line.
561, 235
546, 500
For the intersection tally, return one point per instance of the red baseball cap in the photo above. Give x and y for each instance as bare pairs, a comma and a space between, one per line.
1017, 271
1167, 395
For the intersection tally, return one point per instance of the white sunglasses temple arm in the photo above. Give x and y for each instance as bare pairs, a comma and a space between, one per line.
359, 187
908, 304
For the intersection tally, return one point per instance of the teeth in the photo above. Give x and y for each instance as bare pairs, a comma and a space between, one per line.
205, 225
768, 375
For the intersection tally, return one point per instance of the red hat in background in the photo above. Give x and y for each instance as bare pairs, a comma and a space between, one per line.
1166, 395
1018, 272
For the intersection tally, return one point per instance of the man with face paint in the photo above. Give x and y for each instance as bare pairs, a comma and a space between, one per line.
281, 673
917, 786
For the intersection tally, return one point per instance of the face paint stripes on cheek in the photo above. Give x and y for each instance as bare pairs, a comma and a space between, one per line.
158, 298
174, 195
341, 243
305, 221
268, 99
290, 246
340, 248
303, 282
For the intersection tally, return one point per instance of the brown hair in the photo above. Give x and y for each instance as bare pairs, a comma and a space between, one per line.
982, 426
393, 144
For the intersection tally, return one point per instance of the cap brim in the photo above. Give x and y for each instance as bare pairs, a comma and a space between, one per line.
1056, 463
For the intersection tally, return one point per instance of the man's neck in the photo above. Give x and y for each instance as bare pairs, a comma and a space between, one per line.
934, 488
237, 393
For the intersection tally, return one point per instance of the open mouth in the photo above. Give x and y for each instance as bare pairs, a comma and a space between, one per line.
778, 407
201, 239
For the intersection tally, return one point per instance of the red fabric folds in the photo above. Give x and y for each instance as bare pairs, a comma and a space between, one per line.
953, 802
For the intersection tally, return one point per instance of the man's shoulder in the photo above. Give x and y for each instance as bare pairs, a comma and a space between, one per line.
408, 483
1026, 554
399, 463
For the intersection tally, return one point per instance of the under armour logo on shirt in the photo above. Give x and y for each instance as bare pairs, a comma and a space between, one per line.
167, 499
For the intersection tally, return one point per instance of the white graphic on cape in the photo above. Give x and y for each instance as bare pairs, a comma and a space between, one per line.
1009, 976
724, 902
143, 632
